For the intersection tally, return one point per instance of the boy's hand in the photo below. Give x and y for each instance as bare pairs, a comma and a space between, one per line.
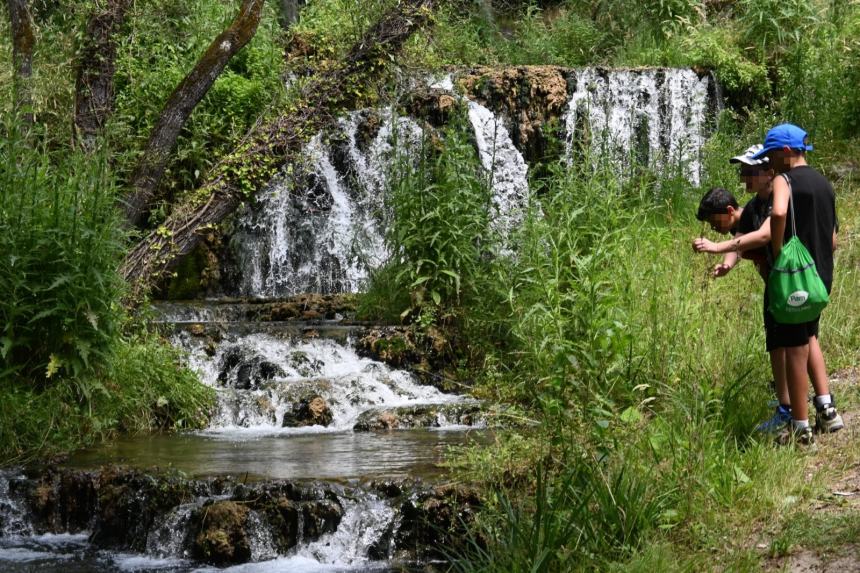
702, 245
721, 270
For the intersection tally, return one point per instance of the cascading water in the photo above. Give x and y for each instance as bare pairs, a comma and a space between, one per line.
653, 117
319, 226
260, 378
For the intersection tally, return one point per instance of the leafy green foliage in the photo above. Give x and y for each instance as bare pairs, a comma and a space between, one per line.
143, 388
440, 226
161, 45
61, 244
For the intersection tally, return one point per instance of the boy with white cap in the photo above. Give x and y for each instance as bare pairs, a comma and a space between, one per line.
750, 241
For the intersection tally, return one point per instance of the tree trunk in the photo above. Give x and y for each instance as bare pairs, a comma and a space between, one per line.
181, 103
289, 12
23, 43
252, 165
94, 95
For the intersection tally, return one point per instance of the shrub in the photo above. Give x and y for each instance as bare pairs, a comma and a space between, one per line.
60, 246
440, 226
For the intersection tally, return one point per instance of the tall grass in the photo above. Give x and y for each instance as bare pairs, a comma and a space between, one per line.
439, 233
73, 369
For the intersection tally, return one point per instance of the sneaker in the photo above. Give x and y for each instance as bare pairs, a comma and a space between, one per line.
780, 418
791, 435
827, 419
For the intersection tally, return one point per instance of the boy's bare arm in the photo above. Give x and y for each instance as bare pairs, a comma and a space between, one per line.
728, 263
778, 213
738, 244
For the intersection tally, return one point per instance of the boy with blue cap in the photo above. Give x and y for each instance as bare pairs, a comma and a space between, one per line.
814, 205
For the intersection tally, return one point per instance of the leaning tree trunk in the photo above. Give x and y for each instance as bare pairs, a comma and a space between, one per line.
23, 43
94, 95
181, 103
252, 165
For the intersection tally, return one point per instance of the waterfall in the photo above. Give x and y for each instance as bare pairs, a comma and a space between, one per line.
260, 378
653, 117
363, 526
319, 226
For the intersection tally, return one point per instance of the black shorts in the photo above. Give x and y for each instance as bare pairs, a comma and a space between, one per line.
786, 335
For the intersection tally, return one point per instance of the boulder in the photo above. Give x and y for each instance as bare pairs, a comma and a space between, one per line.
310, 411
220, 533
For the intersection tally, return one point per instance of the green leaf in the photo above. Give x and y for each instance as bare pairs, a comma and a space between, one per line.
631, 415
437, 298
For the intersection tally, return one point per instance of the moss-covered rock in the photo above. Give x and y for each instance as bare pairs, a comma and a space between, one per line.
220, 535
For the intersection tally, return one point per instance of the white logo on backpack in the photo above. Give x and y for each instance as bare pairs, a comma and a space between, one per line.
797, 298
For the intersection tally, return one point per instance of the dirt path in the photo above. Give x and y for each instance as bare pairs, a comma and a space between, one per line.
835, 547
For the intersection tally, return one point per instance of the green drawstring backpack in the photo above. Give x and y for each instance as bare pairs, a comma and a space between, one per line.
797, 293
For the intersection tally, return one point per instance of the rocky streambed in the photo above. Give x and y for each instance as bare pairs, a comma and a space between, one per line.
323, 454
122, 519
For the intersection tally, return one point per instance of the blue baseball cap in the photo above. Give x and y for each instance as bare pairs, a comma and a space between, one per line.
784, 135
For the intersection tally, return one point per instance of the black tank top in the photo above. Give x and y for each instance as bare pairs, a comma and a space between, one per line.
815, 217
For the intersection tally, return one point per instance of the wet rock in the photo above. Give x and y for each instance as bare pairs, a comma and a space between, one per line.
427, 354
129, 501
311, 411
425, 416
310, 307
320, 518
434, 519
435, 106
220, 533
61, 500
306, 366
533, 100
237, 370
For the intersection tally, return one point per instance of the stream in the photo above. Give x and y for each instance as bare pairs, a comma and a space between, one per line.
320, 457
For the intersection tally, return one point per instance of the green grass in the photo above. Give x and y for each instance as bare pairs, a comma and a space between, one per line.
142, 389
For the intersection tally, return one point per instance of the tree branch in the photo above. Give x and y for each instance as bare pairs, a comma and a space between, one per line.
181, 103
252, 165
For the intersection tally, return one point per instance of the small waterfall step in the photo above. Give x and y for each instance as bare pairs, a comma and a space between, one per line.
119, 519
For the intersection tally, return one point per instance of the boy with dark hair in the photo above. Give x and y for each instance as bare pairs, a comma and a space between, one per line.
813, 203
752, 235
720, 209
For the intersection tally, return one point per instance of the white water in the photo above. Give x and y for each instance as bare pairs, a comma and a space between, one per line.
13, 516
656, 117
348, 383
319, 228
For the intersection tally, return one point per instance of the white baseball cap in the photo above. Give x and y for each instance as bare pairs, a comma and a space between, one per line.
747, 156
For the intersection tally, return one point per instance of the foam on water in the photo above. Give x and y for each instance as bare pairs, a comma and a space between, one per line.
364, 523
14, 520
348, 383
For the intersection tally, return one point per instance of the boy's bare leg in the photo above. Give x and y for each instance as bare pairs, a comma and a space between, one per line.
796, 359
817, 369
777, 367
